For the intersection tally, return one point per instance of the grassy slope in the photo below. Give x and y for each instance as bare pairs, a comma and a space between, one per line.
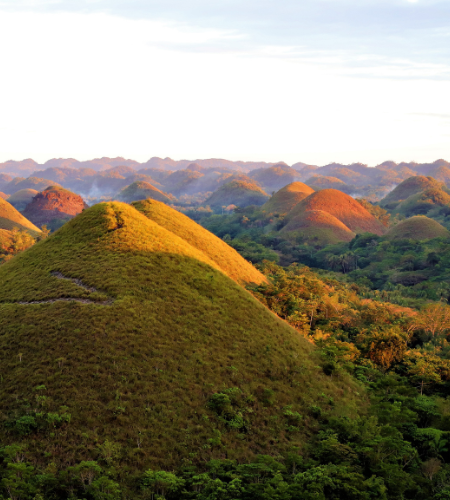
178, 331
425, 200
24, 195
417, 228
343, 207
319, 225
29, 183
141, 190
225, 257
239, 193
286, 198
10, 218
409, 187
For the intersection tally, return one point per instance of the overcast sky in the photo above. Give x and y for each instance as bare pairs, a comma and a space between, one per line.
294, 80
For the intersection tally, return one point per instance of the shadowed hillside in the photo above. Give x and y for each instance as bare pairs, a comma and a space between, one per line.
286, 198
20, 199
421, 203
35, 183
228, 260
239, 193
154, 340
417, 228
11, 218
341, 206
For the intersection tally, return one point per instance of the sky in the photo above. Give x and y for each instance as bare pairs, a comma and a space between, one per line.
315, 81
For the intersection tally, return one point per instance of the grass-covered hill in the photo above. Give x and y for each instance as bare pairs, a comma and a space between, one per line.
286, 198
11, 218
54, 203
228, 260
319, 227
407, 188
326, 182
4, 180
239, 193
35, 183
142, 190
274, 177
20, 199
4, 195
343, 207
417, 228
116, 334
424, 201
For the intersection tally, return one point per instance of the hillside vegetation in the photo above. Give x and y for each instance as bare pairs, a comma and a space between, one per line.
417, 228
239, 193
141, 190
156, 351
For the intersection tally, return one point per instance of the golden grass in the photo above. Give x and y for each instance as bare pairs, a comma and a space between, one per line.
319, 226
343, 207
225, 258
238, 192
144, 367
286, 198
142, 190
409, 187
11, 218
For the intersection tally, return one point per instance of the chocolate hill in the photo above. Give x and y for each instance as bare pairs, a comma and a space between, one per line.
36, 183
142, 190
52, 204
407, 188
286, 198
417, 228
318, 182
318, 226
11, 218
421, 203
275, 177
239, 193
20, 199
136, 333
343, 207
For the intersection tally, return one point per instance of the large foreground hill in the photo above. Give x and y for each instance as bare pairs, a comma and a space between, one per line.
147, 343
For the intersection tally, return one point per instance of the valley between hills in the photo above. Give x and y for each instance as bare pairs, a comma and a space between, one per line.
218, 330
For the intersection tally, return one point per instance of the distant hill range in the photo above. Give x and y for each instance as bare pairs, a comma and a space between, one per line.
105, 178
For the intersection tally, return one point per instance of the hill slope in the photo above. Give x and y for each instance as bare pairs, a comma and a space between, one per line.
423, 202
417, 228
239, 193
319, 226
341, 206
409, 187
54, 203
141, 190
228, 260
286, 198
11, 218
168, 352
30, 183
20, 199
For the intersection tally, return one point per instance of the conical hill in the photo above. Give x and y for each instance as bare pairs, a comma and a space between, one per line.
319, 226
161, 354
409, 187
226, 258
343, 207
141, 190
11, 218
417, 228
286, 198
238, 192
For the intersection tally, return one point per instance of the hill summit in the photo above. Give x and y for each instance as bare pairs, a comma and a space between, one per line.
140, 190
238, 192
286, 198
417, 228
341, 206
54, 203
141, 338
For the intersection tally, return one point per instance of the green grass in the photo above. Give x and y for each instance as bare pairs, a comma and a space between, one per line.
417, 228
178, 331
409, 187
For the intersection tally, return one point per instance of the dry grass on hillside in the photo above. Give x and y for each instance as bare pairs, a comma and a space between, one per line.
142, 190
409, 187
239, 193
417, 228
286, 198
11, 218
343, 207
